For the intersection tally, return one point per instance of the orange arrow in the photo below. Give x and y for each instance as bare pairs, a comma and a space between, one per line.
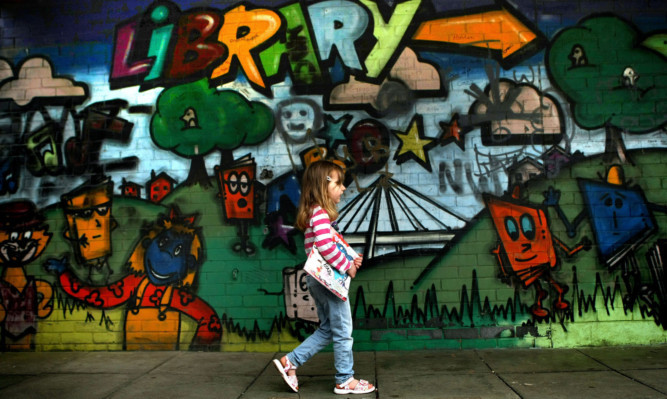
496, 30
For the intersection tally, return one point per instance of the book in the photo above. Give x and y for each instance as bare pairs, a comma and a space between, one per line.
316, 266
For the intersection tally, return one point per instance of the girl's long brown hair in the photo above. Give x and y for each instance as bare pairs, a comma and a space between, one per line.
314, 191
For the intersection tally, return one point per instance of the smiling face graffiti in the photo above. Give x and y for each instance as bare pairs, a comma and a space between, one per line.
526, 249
526, 241
23, 236
168, 258
169, 252
20, 248
297, 118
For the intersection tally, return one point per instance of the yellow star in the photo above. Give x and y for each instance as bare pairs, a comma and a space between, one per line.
414, 145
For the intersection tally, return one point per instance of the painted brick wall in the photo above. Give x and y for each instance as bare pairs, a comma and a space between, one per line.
505, 166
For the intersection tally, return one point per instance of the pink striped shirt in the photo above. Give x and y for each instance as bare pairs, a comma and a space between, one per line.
319, 233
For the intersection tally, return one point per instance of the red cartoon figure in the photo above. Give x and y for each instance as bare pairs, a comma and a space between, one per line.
526, 249
158, 289
23, 298
237, 189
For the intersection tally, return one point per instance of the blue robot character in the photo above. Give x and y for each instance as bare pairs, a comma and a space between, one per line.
621, 219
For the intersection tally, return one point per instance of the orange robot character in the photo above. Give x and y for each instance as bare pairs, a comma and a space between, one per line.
89, 224
237, 189
526, 249
23, 298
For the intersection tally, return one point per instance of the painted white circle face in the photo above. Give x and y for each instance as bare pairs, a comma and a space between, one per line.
296, 119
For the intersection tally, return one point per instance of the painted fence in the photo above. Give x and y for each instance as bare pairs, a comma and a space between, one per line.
505, 164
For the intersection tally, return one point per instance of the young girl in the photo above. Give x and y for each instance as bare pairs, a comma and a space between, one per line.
321, 188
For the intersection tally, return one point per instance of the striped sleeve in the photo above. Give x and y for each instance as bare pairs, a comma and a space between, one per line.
319, 234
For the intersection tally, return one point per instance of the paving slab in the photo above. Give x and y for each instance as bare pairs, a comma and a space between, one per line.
584, 384
269, 385
539, 360
192, 386
429, 362
133, 362
214, 363
443, 386
8, 380
35, 362
656, 379
627, 358
70, 386
591, 373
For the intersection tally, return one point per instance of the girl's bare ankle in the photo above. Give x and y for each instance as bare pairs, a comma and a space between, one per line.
290, 371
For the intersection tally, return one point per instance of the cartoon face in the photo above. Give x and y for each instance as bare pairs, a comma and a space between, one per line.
368, 145
168, 258
23, 235
18, 248
89, 220
237, 189
620, 217
295, 117
525, 236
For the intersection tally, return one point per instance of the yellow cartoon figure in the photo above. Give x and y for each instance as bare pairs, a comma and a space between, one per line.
157, 290
89, 225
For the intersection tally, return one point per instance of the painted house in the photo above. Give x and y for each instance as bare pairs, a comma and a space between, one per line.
525, 169
159, 186
554, 159
130, 189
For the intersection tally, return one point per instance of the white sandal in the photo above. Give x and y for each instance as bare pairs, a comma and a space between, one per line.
362, 386
289, 379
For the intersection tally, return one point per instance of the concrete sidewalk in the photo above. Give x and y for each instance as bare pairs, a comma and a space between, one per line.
625, 372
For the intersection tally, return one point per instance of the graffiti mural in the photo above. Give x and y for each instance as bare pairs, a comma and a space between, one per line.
504, 164
572, 55
88, 210
192, 120
527, 248
24, 299
157, 289
237, 189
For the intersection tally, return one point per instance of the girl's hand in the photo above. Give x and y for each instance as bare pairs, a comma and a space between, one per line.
356, 264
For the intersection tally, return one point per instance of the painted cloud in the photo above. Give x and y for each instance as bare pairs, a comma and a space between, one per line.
5, 70
414, 75
35, 80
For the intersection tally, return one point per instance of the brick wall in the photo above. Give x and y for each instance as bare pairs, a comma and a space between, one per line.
504, 165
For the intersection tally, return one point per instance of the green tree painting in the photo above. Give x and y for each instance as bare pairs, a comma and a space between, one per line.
610, 78
193, 120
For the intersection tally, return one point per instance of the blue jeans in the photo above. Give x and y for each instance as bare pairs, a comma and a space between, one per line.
335, 325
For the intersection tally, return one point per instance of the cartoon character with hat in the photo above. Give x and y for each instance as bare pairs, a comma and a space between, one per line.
23, 298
